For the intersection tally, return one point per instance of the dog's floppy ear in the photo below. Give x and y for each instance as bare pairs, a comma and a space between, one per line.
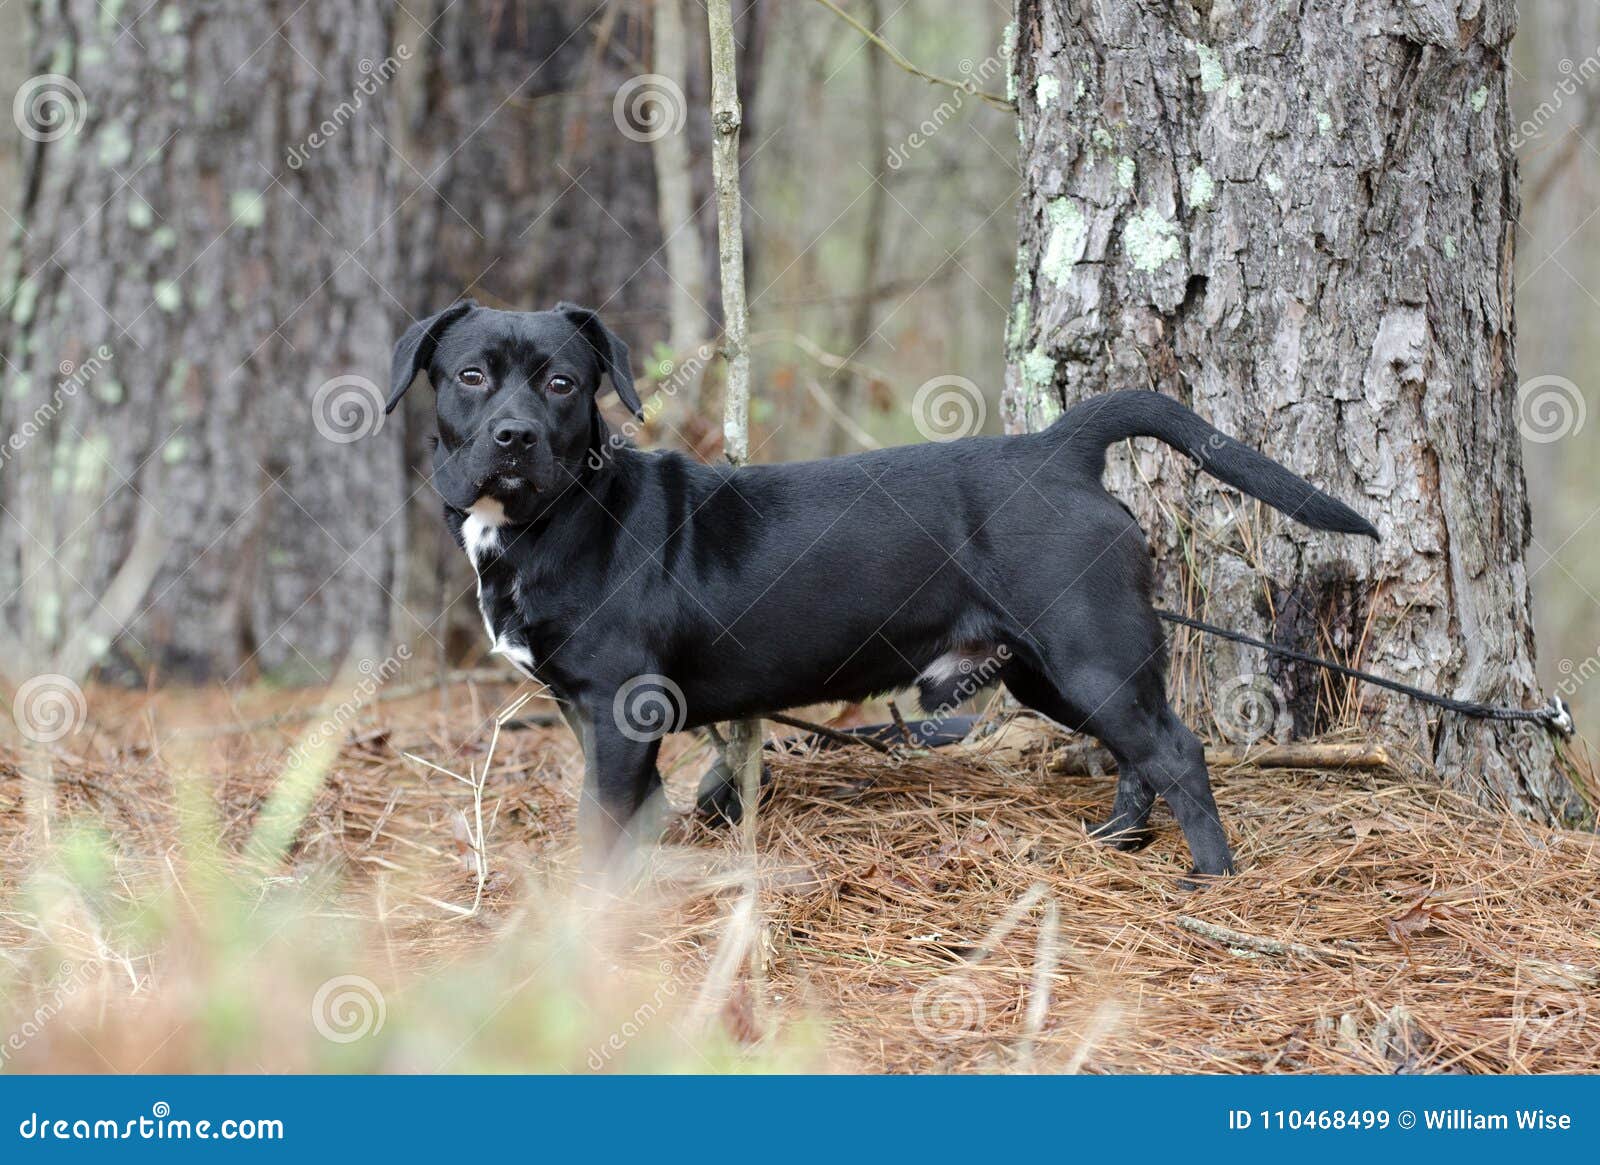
415, 349
612, 351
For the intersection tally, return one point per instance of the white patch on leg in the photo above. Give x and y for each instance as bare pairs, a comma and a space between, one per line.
480, 530
946, 667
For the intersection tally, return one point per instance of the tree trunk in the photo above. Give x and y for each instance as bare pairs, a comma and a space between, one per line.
1299, 220
532, 179
195, 321
688, 319
858, 331
520, 189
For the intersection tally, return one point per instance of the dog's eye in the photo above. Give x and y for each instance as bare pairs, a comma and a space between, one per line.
473, 377
561, 384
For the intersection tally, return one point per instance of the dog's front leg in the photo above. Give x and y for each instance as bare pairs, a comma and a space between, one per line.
621, 799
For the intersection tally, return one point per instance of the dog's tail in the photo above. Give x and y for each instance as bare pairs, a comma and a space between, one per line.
1094, 424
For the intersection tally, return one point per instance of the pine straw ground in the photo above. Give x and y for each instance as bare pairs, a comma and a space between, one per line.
943, 913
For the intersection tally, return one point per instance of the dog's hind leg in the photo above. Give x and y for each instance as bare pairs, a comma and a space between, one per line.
1157, 756
1169, 759
1127, 828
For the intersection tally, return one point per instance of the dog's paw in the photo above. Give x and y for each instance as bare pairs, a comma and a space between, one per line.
1198, 879
718, 801
1118, 837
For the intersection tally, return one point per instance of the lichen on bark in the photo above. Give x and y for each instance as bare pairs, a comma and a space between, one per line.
1314, 252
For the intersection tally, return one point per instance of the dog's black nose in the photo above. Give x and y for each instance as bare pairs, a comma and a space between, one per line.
515, 434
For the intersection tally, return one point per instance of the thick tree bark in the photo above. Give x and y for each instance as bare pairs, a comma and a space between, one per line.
530, 178
205, 269
521, 190
858, 330
1299, 220
688, 318
525, 188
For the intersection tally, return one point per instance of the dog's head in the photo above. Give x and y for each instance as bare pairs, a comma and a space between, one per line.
515, 397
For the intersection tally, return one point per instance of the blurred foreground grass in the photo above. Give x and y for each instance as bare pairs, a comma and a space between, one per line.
179, 925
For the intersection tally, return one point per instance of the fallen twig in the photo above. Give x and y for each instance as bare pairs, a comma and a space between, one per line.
1091, 760
1259, 943
823, 730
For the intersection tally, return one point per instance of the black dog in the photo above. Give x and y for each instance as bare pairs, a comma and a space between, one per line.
652, 594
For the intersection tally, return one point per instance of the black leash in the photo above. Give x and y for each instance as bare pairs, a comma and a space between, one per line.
1555, 715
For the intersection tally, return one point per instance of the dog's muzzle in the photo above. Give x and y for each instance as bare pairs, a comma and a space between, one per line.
517, 457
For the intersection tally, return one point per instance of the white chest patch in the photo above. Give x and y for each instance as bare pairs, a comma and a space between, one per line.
521, 658
480, 530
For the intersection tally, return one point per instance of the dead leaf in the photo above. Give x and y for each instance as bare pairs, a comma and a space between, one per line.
739, 1015
1423, 914
1364, 826
1013, 741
